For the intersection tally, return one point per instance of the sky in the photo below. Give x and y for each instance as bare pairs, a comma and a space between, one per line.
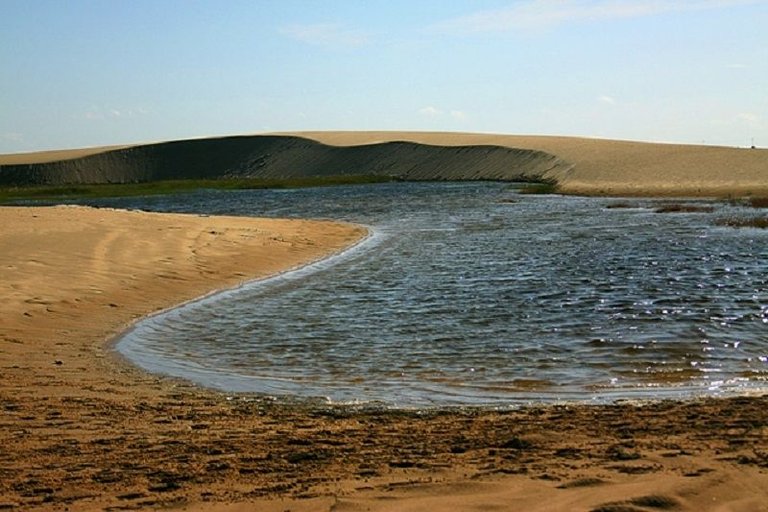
78, 73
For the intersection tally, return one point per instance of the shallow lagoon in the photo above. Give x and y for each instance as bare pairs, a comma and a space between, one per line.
472, 294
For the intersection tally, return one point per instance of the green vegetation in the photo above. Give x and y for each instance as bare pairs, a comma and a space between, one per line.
538, 188
50, 192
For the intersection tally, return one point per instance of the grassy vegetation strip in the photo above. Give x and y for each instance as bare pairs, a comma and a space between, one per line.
12, 194
538, 188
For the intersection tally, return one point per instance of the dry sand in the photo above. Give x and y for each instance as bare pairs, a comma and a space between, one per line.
38, 157
585, 166
611, 167
82, 430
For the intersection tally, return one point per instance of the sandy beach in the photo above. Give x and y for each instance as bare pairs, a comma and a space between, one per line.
81, 429
74, 277
432, 256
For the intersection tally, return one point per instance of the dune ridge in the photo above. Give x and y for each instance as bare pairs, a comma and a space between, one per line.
576, 165
275, 156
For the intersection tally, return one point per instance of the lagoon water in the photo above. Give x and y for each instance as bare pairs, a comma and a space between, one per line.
473, 294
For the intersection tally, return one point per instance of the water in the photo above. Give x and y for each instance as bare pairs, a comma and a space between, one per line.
474, 294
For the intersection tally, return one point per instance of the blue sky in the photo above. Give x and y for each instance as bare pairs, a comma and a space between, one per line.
80, 73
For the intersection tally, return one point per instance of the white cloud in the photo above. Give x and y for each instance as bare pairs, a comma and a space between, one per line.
97, 113
539, 14
326, 34
438, 113
610, 100
92, 115
430, 111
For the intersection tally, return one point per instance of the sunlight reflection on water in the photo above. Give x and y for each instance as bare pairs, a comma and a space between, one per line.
473, 294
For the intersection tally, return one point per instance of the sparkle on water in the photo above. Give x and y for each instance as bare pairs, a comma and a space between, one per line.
472, 294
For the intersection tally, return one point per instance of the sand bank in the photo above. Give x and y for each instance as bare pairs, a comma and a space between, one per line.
610, 167
576, 165
81, 430
72, 277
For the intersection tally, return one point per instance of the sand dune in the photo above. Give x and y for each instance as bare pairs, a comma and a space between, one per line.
611, 167
82, 430
285, 157
576, 165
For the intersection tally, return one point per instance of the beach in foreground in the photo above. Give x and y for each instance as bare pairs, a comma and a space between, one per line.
82, 430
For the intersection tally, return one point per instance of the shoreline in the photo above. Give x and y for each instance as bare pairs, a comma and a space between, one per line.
115, 339
89, 432
74, 278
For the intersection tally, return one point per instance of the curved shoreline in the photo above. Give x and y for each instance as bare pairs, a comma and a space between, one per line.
85, 432
73, 277
139, 349
308, 266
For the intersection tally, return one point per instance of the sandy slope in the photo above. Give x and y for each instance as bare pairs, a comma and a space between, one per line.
38, 157
610, 167
579, 165
280, 157
81, 430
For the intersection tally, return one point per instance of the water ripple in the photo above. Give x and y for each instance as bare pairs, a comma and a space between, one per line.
473, 294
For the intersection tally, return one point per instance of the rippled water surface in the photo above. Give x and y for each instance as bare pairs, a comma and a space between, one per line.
475, 294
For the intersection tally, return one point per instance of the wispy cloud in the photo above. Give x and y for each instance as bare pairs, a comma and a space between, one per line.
434, 112
430, 111
326, 34
542, 14
96, 113
608, 100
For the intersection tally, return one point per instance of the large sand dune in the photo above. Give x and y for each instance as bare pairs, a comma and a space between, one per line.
274, 156
577, 165
611, 167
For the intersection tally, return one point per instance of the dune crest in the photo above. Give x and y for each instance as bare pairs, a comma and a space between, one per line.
280, 156
576, 165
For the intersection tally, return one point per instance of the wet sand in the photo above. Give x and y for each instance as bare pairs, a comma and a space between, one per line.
81, 429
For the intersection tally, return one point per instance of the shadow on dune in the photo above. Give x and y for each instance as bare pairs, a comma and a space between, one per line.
270, 156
